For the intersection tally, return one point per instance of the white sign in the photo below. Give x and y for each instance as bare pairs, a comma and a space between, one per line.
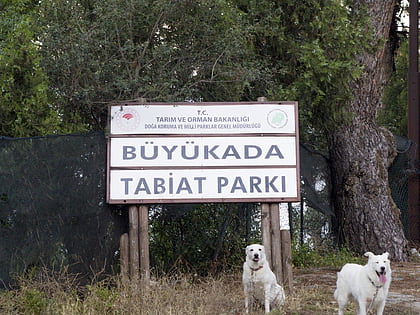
284, 217
216, 184
202, 151
203, 119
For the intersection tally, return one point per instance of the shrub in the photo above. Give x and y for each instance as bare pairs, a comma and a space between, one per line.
304, 255
31, 301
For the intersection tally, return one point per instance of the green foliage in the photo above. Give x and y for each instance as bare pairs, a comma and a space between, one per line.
26, 105
62, 61
31, 301
101, 298
187, 238
96, 52
7, 301
85, 54
307, 50
394, 114
313, 243
305, 256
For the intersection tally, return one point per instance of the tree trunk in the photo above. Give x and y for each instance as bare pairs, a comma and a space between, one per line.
361, 152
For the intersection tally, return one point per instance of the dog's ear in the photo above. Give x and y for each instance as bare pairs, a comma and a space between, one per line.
368, 254
386, 255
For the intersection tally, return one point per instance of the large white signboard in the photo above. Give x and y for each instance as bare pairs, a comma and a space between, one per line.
204, 152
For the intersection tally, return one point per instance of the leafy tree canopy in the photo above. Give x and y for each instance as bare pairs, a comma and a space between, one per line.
27, 107
63, 61
309, 48
95, 52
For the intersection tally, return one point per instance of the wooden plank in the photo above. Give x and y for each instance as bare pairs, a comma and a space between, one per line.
124, 256
144, 243
276, 254
286, 250
265, 230
133, 235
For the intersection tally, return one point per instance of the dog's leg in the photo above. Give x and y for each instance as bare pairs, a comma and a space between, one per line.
267, 288
380, 308
341, 309
341, 294
362, 306
341, 300
247, 298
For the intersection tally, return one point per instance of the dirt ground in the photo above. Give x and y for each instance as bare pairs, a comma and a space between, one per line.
404, 293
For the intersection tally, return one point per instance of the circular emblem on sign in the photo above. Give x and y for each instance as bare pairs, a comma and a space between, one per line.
127, 119
277, 118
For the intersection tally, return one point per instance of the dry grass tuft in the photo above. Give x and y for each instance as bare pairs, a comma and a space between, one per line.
183, 295
60, 294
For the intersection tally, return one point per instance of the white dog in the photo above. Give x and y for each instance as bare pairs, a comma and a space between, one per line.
259, 281
368, 284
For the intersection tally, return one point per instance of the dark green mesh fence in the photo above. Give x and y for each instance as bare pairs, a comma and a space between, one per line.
315, 180
52, 205
53, 210
398, 178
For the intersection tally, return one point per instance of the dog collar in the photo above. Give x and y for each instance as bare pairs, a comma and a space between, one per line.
256, 269
373, 283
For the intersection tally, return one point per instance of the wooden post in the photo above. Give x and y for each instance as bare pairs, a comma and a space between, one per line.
124, 256
276, 253
286, 250
286, 247
265, 230
144, 243
133, 235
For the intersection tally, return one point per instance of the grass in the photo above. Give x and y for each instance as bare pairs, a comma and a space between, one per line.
166, 295
59, 293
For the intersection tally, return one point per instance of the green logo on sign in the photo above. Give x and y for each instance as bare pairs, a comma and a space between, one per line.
277, 118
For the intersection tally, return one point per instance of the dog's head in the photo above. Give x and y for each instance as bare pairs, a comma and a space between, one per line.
380, 265
255, 253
